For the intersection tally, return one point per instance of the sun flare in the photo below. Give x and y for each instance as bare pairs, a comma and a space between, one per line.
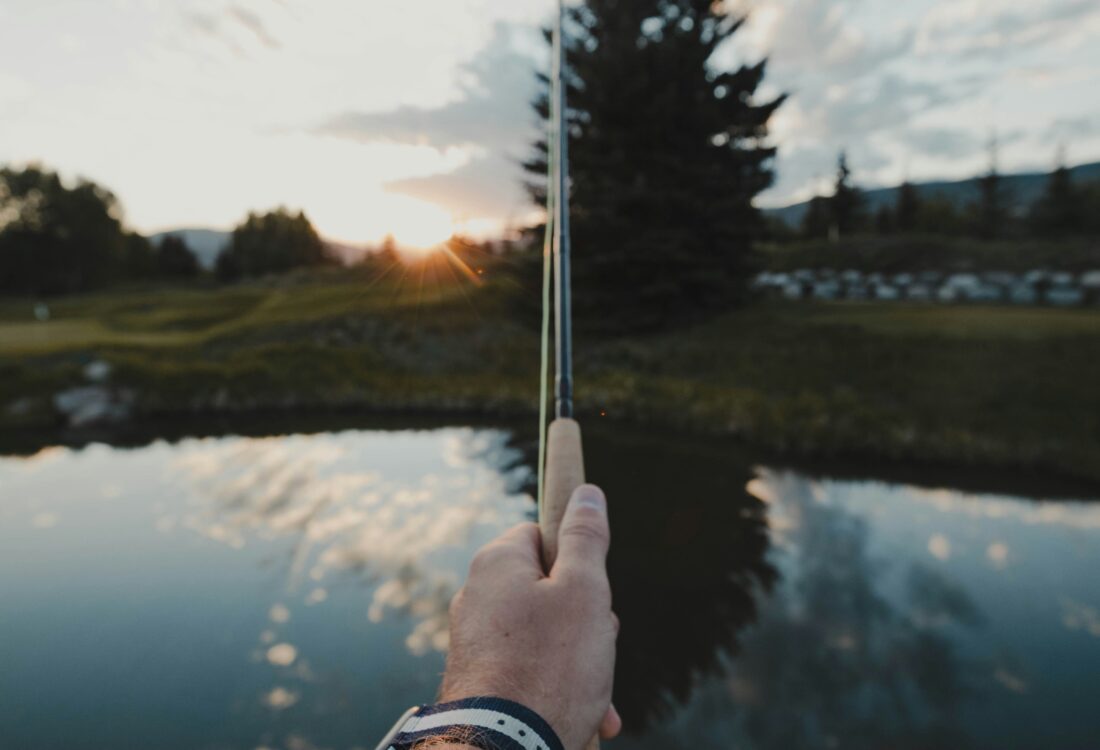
419, 228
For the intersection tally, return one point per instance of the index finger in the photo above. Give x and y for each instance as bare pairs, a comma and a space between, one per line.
516, 551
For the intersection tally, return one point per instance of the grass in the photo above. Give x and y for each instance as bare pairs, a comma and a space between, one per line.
977, 386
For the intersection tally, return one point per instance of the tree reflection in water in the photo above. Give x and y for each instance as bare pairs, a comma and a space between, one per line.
687, 563
831, 662
755, 621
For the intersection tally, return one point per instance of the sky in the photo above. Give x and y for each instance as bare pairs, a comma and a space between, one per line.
410, 118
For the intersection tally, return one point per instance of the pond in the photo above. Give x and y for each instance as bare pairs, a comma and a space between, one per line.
291, 592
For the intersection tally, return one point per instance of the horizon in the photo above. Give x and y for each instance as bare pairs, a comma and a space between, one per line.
373, 133
1037, 172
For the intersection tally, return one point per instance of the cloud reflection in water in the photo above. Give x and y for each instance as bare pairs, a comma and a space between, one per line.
409, 535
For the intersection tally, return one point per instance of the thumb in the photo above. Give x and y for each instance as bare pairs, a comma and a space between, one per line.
584, 535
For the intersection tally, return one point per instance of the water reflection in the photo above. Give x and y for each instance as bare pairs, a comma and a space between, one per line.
410, 540
834, 662
687, 564
883, 632
292, 593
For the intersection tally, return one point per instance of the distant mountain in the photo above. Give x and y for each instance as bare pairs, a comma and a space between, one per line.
349, 255
1024, 189
206, 244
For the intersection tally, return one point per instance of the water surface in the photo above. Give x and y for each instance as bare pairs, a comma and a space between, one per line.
291, 593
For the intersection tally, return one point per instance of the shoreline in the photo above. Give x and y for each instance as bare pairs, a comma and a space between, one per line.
984, 387
1008, 478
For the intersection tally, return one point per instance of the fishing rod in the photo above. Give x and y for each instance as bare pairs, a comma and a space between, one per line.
563, 470
561, 454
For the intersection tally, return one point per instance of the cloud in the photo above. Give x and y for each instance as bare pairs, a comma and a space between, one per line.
1070, 128
491, 110
878, 78
491, 119
221, 28
888, 102
254, 24
983, 28
864, 75
942, 142
204, 23
485, 187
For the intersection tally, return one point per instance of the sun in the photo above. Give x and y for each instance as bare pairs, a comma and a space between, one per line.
419, 228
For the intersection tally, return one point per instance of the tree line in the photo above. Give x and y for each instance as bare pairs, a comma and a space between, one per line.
668, 152
1066, 208
59, 238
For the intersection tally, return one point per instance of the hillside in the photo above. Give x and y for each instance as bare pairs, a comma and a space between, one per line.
981, 386
1023, 189
206, 244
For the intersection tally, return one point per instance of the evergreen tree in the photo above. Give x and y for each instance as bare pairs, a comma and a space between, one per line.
817, 219
885, 221
274, 242
1061, 209
1090, 200
138, 259
54, 238
847, 203
387, 255
991, 214
175, 260
667, 153
939, 215
383, 259
908, 208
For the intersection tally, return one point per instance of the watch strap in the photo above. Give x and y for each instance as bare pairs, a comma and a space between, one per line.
486, 723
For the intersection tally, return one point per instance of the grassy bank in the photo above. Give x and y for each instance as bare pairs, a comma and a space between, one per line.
980, 386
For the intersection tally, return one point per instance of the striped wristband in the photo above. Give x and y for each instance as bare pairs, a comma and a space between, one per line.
485, 723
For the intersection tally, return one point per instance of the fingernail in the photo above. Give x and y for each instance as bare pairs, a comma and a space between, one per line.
590, 496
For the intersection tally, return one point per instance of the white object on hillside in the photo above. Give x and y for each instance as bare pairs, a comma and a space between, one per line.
97, 371
919, 292
887, 293
1065, 296
1023, 294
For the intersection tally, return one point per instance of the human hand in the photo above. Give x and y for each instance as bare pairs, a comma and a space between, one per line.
545, 641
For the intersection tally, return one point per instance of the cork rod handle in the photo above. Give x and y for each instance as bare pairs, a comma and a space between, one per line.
564, 473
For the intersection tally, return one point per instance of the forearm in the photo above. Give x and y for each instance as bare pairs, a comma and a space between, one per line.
532, 654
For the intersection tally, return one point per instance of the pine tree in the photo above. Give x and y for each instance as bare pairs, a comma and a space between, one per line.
175, 260
847, 203
817, 219
908, 208
1061, 210
992, 213
885, 221
991, 208
667, 153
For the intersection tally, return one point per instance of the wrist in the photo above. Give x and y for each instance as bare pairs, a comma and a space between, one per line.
481, 723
